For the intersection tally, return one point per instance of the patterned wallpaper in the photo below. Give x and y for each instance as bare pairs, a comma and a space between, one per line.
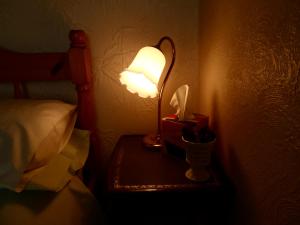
117, 29
250, 85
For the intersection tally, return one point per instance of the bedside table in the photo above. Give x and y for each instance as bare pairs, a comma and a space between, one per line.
145, 185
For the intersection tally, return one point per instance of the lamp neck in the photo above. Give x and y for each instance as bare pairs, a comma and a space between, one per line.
161, 90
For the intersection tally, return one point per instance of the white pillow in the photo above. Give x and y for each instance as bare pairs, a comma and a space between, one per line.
31, 133
60, 169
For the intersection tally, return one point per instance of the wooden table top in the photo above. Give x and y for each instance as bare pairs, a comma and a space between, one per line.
136, 169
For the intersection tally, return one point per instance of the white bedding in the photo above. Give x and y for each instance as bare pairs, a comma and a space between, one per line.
32, 132
73, 205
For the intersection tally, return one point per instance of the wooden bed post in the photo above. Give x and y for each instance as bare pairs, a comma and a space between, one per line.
81, 72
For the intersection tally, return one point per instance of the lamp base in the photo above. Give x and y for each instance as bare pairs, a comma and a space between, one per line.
152, 142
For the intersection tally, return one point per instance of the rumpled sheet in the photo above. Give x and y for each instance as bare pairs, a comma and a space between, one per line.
73, 205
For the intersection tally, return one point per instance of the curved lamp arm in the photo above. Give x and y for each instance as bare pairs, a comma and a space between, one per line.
142, 77
161, 90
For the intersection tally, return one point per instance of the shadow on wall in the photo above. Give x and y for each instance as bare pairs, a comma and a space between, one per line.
33, 26
250, 81
241, 203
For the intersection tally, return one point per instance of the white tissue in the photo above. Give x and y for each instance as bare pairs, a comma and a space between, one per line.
179, 99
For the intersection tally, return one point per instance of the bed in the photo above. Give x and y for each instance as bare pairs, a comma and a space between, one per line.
48, 146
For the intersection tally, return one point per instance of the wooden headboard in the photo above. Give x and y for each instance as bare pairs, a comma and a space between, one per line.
74, 65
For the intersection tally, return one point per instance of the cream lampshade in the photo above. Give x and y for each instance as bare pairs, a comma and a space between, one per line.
142, 77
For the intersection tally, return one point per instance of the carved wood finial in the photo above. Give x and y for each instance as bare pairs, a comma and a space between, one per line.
78, 39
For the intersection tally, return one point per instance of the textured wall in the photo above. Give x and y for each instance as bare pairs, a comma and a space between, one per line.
117, 29
250, 86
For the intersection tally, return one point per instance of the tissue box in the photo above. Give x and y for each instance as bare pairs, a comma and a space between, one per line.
171, 132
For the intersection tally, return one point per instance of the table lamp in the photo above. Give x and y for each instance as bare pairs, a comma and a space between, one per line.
142, 77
